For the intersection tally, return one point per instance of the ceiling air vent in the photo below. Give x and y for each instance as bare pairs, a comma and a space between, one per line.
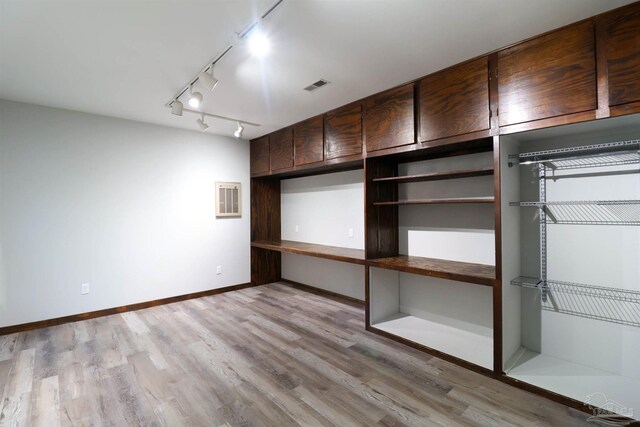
316, 85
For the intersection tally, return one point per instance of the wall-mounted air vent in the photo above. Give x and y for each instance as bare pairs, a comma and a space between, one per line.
316, 85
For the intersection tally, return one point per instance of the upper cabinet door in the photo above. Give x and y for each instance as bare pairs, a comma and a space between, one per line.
281, 149
621, 33
552, 75
389, 119
455, 101
309, 141
343, 132
259, 150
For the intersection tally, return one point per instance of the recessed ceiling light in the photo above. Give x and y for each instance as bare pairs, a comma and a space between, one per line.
258, 43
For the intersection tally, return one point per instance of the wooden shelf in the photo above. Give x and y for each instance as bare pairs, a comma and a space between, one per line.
467, 173
437, 201
354, 256
479, 274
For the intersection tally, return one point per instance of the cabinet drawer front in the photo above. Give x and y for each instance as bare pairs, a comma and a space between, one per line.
309, 141
455, 101
389, 119
343, 132
622, 34
549, 76
281, 149
259, 150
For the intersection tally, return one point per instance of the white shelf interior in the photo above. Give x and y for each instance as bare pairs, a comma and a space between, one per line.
586, 384
451, 317
466, 345
562, 345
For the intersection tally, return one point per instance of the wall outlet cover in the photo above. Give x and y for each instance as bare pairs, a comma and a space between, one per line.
219, 269
85, 288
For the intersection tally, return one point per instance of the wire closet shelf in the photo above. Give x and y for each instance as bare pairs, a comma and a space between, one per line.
587, 156
607, 304
589, 212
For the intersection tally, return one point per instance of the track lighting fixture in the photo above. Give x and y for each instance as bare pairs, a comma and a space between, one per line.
195, 98
238, 132
251, 37
207, 79
202, 124
176, 108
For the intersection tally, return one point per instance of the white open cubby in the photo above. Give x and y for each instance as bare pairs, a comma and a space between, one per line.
447, 316
559, 345
456, 232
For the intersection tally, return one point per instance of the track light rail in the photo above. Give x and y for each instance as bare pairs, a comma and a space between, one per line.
215, 116
216, 59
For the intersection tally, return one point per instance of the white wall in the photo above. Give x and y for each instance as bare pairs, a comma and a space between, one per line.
125, 206
340, 277
324, 208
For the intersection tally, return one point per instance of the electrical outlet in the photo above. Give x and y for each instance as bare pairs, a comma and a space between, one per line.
84, 289
296, 228
350, 232
219, 269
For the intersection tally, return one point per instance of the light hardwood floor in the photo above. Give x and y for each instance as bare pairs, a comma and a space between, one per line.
265, 356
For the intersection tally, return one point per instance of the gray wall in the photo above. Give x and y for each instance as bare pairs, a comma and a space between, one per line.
125, 206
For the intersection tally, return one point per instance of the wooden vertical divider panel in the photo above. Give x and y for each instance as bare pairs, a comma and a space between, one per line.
343, 132
308, 139
551, 75
265, 225
389, 119
259, 154
281, 149
455, 101
381, 222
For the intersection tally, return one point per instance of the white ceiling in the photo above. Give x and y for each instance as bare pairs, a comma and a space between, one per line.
128, 58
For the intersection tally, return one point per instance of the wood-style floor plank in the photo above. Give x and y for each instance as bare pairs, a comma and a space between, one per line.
272, 355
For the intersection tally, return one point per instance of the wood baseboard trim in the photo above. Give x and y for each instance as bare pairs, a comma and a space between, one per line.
324, 292
115, 310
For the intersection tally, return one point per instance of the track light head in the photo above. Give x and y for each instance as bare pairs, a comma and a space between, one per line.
203, 126
176, 108
195, 98
238, 132
207, 79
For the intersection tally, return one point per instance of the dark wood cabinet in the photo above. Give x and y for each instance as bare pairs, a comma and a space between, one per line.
281, 149
551, 75
620, 31
259, 153
309, 141
389, 119
455, 101
343, 132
